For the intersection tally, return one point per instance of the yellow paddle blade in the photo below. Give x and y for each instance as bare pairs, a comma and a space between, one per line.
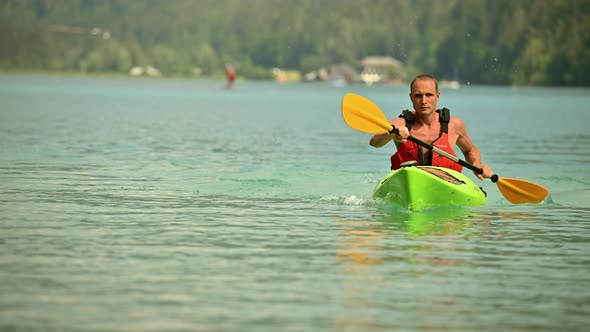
521, 191
363, 115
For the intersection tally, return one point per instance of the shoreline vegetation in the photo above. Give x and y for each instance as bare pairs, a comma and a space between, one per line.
487, 42
442, 84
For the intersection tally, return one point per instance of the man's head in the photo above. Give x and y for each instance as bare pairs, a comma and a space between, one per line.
424, 93
424, 77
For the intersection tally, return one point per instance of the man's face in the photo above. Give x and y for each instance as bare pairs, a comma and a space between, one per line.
424, 96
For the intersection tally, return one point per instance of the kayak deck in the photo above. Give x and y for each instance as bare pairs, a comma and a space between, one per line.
420, 187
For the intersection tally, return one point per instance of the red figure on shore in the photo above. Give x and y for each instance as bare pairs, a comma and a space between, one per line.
231, 76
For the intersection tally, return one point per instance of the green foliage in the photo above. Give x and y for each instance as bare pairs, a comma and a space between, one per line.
484, 41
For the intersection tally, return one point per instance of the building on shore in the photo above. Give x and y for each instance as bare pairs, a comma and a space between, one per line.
382, 69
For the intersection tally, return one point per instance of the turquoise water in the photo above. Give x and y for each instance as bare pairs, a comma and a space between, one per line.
176, 205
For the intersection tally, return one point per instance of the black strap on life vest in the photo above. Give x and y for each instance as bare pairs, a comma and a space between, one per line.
444, 118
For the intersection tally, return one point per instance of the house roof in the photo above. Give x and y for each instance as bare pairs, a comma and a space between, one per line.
380, 61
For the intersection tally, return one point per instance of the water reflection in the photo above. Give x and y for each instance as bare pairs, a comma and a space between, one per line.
393, 253
359, 240
360, 247
368, 243
439, 221
423, 238
400, 260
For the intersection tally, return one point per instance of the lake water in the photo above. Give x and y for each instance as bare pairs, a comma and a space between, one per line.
177, 205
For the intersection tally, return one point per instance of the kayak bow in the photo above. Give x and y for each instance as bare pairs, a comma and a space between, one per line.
421, 187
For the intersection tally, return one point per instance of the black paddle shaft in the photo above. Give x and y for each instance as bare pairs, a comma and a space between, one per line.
431, 147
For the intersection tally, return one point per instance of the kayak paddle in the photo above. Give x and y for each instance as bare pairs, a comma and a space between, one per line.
363, 115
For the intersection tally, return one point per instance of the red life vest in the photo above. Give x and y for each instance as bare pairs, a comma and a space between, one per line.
411, 151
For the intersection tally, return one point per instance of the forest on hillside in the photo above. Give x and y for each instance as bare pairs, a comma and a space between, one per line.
519, 42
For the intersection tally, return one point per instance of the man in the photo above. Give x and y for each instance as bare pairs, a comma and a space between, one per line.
430, 125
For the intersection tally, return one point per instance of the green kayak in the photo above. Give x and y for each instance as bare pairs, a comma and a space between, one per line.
420, 187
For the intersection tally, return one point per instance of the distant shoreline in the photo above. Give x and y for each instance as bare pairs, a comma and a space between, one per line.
104, 74
222, 78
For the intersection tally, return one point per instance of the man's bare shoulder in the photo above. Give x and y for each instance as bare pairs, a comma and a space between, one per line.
456, 121
457, 125
398, 121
